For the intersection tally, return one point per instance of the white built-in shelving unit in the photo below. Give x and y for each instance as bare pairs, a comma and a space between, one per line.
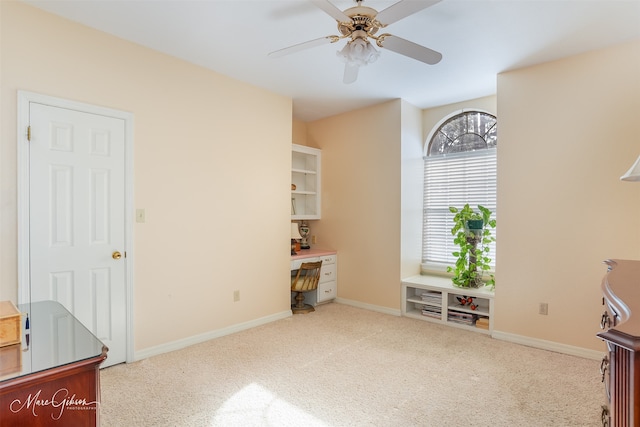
435, 299
305, 177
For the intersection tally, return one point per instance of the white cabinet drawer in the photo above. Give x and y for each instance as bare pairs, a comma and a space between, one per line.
296, 263
327, 291
328, 259
327, 273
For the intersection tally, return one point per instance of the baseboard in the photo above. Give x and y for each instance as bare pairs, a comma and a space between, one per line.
549, 345
197, 339
378, 308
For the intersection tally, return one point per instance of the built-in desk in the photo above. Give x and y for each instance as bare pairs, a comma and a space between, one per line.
52, 378
328, 284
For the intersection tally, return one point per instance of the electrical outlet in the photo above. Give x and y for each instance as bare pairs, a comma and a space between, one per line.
140, 215
313, 240
544, 308
236, 296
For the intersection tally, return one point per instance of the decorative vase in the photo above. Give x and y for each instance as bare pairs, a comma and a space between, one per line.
474, 227
474, 236
475, 224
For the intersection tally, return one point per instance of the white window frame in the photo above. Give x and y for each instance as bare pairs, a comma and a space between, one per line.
437, 261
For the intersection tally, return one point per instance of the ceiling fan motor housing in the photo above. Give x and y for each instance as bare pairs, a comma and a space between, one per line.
362, 19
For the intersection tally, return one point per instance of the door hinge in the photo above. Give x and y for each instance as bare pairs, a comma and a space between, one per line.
28, 133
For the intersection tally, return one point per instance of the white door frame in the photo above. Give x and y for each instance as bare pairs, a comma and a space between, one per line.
24, 99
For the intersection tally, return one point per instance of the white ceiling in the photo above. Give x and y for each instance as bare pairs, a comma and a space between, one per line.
478, 40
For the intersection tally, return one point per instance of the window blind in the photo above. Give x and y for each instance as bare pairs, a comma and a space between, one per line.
454, 180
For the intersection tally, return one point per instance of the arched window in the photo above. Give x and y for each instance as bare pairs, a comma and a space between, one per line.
459, 168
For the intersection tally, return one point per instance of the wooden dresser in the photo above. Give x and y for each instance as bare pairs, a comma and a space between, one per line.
620, 322
52, 377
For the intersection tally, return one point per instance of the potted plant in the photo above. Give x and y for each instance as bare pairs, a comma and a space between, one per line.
472, 233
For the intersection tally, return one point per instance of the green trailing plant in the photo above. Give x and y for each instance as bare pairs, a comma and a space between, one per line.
472, 231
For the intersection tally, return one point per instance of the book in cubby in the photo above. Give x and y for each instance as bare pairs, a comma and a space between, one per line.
432, 311
462, 318
432, 298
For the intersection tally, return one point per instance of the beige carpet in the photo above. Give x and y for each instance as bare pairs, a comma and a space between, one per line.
344, 366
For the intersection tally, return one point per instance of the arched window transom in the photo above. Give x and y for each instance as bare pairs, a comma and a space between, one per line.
467, 131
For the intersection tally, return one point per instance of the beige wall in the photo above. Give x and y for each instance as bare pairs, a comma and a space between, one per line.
299, 132
361, 160
378, 230
211, 168
568, 130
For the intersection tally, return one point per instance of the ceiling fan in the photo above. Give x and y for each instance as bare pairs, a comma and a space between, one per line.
361, 23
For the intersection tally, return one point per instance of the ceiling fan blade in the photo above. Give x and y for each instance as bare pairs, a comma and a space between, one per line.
302, 46
331, 10
410, 49
402, 9
350, 73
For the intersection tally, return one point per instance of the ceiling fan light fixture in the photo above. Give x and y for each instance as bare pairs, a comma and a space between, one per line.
358, 52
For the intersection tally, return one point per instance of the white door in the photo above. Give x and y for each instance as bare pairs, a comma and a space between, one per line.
77, 219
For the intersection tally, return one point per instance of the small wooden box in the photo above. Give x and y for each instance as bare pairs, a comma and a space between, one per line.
10, 359
482, 323
10, 324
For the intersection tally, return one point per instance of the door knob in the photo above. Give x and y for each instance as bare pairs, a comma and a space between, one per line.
116, 255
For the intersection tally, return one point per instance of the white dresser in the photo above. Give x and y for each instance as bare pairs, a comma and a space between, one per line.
328, 285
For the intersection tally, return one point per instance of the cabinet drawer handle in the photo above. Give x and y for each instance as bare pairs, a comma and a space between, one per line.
604, 365
604, 416
604, 370
605, 321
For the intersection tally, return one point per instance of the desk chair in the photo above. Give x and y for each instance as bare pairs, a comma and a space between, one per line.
305, 280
